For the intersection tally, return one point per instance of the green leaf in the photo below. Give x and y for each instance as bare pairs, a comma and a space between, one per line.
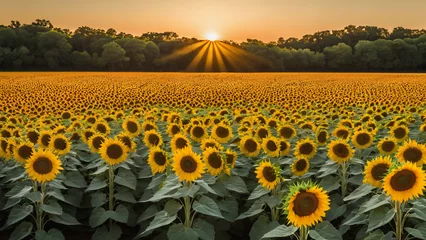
53, 234
335, 211
102, 233
75, 179
96, 184
125, 195
206, 187
99, 215
204, 229
325, 231
98, 199
57, 184
229, 209
255, 209
21, 231
170, 184
179, 232
355, 219
361, 191
10, 203
156, 180
18, 213
375, 202
126, 178
34, 196
121, 214
162, 218
280, 232
419, 231
52, 207
379, 217
187, 191
258, 192
236, 184
261, 226
148, 213
207, 206
21, 193
330, 183
100, 170
328, 169
272, 201
172, 207
378, 234
65, 219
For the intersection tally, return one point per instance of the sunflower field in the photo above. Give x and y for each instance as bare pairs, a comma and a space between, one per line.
212, 156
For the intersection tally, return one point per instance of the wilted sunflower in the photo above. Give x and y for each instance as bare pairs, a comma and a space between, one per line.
413, 152
300, 166
113, 151
405, 182
43, 166
187, 165
127, 139
321, 136
340, 151
95, 142
268, 174
44, 139
286, 131
387, 145
305, 148
271, 146
60, 144
210, 142
198, 133
132, 127
23, 152
400, 132
376, 170
157, 160
249, 146
152, 139
231, 157
284, 147
213, 161
221, 132
179, 141
362, 139
307, 205
342, 132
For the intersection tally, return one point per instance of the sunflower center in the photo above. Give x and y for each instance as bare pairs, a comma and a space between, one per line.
222, 132
60, 144
378, 172
5, 134
3, 145
181, 143
45, 140
229, 158
283, 146
114, 151
399, 133
42, 165
301, 165
412, 154
132, 127
153, 139
198, 131
88, 134
363, 139
286, 132
214, 160
25, 151
269, 174
341, 150
97, 142
342, 133
250, 145
272, 146
148, 127
306, 148
210, 144
66, 115
188, 164
263, 133
126, 141
33, 136
305, 204
159, 158
322, 137
175, 129
388, 146
403, 180
101, 128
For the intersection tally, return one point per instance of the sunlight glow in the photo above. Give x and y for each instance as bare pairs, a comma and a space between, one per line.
212, 36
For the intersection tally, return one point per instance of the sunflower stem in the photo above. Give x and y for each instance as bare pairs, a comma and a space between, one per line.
303, 233
187, 208
398, 221
39, 211
344, 179
111, 192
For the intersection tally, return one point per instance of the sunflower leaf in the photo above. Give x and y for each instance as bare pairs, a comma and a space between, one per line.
178, 232
207, 206
280, 232
258, 192
379, 217
255, 209
21, 231
419, 231
361, 191
325, 231
18, 213
126, 178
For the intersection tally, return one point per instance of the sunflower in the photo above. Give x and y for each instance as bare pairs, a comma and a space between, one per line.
362, 139
321, 136
173, 129
412, 152
268, 175
405, 182
213, 161
376, 170
23, 152
340, 151
60, 144
127, 139
387, 145
284, 147
43, 166
187, 165
210, 142
300, 166
146, 126
221, 132
33, 136
271, 146
179, 141
423, 127
152, 139
305, 148
86, 134
3, 146
286, 131
400, 132
132, 127
342, 132
102, 127
307, 205
113, 151
262, 132
44, 139
231, 157
198, 133
10, 149
157, 160
95, 142
249, 146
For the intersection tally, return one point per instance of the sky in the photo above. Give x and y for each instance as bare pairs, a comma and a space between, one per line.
236, 20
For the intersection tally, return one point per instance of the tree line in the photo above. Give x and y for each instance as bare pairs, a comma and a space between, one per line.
42, 46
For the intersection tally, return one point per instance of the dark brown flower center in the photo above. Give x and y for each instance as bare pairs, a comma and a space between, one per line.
250, 145
198, 131
269, 174
153, 139
403, 180
114, 151
188, 164
42, 165
132, 126
175, 129
66, 115
341, 150
306, 148
286, 132
33, 136
101, 128
97, 142
60, 144
363, 139
5, 134
322, 137
388, 146
149, 127
399, 132
378, 172
160, 158
262, 133
215, 161
230, 158
412, 154
181, 143
45, 139
342, 133
283, 146
25, 151
222, 132
305, 204
88, 134
271, 146
301, 164
126, 140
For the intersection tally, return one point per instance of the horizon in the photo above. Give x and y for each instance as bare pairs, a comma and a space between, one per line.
267, 23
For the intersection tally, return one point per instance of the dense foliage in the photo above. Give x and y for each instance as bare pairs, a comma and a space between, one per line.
41, 46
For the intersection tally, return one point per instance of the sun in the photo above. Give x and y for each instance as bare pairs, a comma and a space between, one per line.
212, 36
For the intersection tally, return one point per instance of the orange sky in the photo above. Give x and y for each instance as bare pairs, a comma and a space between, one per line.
236, 20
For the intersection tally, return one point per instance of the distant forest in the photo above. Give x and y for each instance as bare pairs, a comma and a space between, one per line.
40, 46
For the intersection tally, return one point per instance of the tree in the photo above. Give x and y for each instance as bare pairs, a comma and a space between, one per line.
55, 49
113, 55
134, 50
82, 60
7, 37
339, 56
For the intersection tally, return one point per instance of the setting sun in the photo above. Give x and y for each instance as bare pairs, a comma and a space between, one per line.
212, 36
